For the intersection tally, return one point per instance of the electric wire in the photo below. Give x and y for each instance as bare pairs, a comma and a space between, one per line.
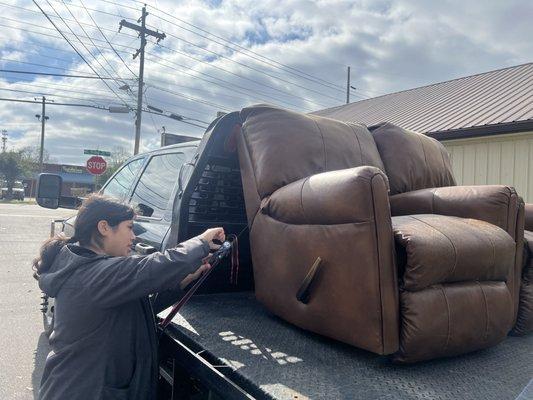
76, 50
92, 42
86, 48
192, 75
105, 37
243, 50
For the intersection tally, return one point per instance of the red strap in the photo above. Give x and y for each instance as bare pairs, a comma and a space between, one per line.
233, 280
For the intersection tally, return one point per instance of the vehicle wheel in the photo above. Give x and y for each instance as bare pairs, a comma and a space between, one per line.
48, 314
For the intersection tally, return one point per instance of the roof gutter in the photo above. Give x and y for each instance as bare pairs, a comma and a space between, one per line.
485, 130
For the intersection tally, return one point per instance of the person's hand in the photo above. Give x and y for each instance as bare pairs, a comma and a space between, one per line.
194, 276
211, 234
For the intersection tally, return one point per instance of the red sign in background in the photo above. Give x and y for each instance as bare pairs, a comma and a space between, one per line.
96, 165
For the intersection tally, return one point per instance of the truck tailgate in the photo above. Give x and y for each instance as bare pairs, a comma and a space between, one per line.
269, 358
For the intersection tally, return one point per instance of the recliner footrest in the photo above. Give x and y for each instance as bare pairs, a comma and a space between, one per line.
451, 319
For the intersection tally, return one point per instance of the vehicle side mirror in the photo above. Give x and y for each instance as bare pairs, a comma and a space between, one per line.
144, 210
49, 190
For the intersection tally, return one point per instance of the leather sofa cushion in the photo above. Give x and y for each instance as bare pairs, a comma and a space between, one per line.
286, 146
412, 161
524, 319
450, 319
441, 249
529, 216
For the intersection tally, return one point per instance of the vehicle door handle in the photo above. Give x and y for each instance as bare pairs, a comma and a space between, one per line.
143, 248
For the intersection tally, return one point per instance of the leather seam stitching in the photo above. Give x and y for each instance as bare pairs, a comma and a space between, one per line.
424, 151
379, 265
323, 145
302, 197
485, 335
253, 172
451, 242
358, 142
449, 318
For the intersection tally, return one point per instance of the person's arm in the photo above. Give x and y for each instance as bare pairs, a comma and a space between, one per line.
118, 280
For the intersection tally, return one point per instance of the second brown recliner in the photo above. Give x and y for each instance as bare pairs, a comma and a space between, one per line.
418, 286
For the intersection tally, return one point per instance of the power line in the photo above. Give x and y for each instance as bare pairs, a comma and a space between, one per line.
65, 90
219, 107
337, 87
240, 76
83, 44
48, 94
243, 50
90, 106
92, 42
242, 89
76, 50
53, 16
251, 67
105, 37
185, 122
220, 55
59, 75
54, 103
254, 91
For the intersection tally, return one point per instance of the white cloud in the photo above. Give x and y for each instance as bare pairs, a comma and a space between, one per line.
390, 45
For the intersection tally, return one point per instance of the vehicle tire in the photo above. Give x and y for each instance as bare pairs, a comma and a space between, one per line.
48, 315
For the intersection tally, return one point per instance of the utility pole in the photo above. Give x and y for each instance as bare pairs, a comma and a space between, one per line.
4, 140
348, 87
42, 117
142, 34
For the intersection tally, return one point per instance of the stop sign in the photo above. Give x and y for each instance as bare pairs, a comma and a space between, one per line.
96, 165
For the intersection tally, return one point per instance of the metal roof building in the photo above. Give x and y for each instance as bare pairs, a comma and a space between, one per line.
484, 120
493, 102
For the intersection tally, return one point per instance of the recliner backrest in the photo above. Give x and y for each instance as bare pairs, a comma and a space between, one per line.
412, 160
285, 146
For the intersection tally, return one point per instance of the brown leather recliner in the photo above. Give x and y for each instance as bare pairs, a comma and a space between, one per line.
419, 286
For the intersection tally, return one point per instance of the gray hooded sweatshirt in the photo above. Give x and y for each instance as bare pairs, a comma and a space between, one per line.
104, 342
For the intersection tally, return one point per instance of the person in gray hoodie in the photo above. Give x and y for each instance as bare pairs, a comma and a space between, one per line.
104, 340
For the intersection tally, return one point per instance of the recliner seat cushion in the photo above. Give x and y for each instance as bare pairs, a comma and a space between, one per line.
412, 160
442, 249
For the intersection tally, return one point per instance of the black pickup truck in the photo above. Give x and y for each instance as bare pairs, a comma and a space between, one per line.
224, 344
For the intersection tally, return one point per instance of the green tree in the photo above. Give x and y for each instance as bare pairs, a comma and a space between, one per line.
30, 156
12, 168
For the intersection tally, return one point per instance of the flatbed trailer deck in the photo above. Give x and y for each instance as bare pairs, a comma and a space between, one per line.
237, 349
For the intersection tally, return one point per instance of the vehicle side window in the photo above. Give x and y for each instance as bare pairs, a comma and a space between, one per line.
119, 186
153, 191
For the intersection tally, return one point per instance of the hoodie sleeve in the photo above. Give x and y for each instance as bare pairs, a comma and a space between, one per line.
118, 280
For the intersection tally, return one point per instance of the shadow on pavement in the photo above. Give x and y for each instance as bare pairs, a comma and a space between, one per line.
42, 350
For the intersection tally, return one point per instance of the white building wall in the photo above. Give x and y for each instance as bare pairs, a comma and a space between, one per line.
502, 159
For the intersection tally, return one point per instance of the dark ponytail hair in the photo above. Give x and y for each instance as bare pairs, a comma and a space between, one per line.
94, 208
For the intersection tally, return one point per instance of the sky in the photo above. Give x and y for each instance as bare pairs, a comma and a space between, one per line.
225, 55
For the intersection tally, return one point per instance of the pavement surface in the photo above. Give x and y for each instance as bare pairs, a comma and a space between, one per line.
23, 345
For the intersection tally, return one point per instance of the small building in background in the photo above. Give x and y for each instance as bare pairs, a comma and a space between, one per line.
76, 180
484, 120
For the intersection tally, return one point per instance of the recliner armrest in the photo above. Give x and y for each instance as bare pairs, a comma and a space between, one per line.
335, 197
496, 204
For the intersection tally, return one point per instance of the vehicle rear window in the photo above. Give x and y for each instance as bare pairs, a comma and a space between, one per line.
152, 193
119, 186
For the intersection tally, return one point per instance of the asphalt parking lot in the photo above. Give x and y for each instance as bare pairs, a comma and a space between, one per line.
23, 346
